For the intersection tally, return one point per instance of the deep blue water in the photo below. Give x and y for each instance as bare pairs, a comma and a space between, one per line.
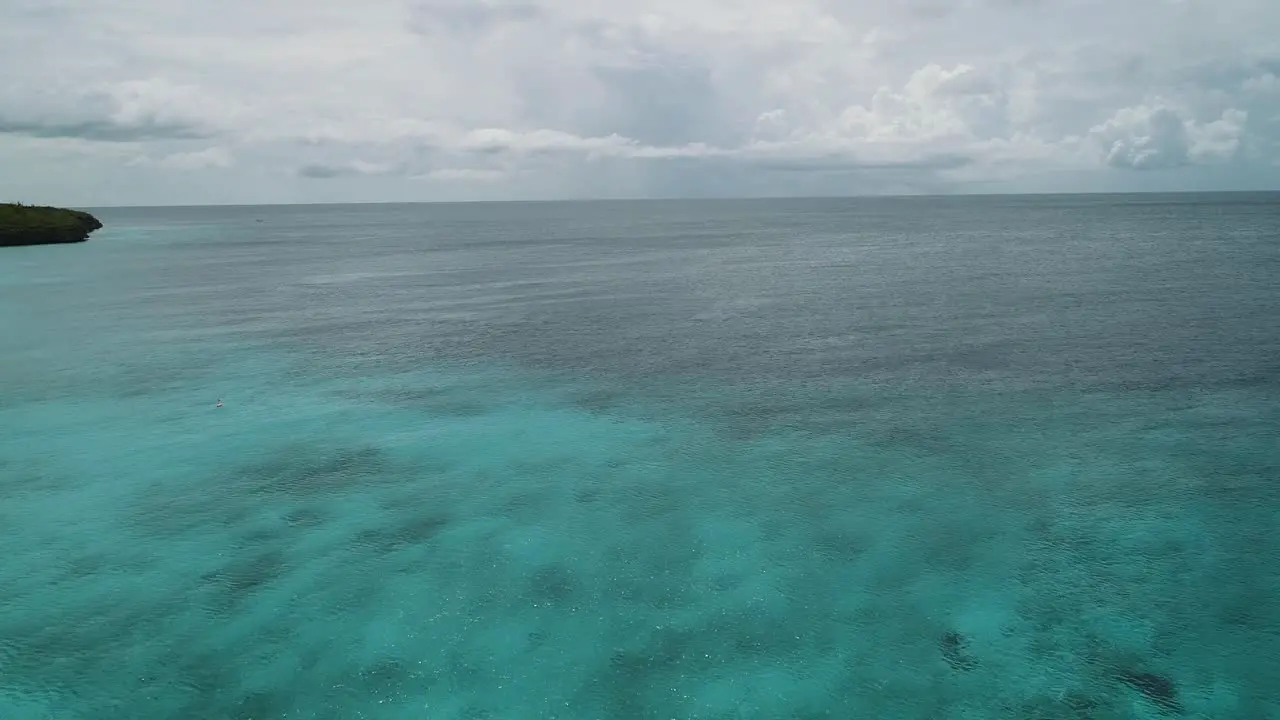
981, 457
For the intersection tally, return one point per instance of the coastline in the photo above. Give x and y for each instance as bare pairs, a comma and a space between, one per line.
25, 225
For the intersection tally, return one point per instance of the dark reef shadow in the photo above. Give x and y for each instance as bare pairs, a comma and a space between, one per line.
239, 580
1158, 689
303, 473
841, 545
955, 650
304, 517
449, 402
554, 585
417, 530
633, 683
599, 401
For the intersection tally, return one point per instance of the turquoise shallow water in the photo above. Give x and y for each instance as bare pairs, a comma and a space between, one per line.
929, 458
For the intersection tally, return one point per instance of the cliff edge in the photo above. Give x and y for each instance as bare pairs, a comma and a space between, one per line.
39, 225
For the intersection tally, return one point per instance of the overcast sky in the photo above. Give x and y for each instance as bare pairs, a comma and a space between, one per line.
110, 102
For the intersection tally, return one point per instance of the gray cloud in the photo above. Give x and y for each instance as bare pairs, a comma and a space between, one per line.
324, 172
423, 99
104, 130
663, 103
469, 16
125, 112
1159, 140
838, 163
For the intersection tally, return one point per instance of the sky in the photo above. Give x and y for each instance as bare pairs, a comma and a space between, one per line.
157, 102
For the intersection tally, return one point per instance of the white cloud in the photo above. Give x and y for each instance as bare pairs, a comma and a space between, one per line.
1156, 137
212, 157
128, 111
521, 98
1218, 140
462, 174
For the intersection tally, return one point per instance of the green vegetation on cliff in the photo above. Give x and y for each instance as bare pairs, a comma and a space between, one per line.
37, 225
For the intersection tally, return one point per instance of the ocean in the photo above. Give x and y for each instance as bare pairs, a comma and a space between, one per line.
961, 457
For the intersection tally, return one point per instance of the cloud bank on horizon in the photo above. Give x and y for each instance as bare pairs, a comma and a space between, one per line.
231, 101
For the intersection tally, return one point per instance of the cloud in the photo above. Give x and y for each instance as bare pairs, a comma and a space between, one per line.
397, 99
208, 158
467, 16
104, 129
129, 111
324, 171
1154, 138
463, 174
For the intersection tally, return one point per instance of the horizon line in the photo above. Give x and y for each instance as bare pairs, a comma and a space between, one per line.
726, 198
